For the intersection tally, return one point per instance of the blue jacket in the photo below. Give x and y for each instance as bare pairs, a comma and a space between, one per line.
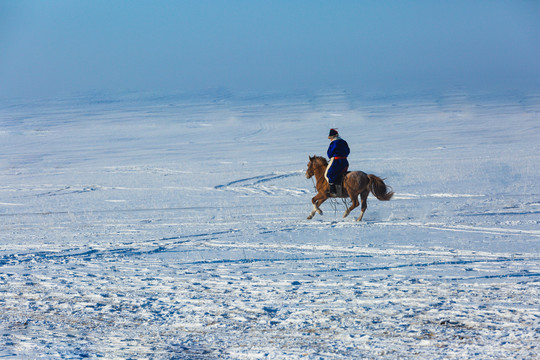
338, 147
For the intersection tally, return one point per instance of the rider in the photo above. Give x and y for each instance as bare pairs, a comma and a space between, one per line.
337, 153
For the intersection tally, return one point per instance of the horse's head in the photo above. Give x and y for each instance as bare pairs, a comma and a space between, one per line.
314, 163
310, 168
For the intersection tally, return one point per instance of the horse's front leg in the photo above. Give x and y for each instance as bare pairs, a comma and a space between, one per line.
317, 200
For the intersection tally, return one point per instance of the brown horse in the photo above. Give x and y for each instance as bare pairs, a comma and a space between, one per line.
354, 183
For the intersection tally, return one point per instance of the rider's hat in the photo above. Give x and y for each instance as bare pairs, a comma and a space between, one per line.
333, 132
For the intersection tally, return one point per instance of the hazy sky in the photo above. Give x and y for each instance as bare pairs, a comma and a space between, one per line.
55, 47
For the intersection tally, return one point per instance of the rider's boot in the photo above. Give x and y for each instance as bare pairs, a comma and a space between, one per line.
332, 189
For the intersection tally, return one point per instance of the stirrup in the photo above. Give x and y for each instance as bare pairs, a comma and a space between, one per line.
333, 190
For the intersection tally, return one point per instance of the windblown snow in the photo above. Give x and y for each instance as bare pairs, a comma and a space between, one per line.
174, 227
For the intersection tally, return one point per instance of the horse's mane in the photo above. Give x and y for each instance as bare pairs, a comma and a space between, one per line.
321, 160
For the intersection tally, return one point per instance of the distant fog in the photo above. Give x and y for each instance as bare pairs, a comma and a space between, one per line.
52, 48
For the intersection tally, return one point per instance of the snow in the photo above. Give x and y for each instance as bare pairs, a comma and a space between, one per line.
144, 226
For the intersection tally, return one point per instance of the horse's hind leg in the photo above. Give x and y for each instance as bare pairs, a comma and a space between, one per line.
363, 196
354, 204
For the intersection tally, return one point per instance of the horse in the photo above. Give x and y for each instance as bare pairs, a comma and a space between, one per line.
354, 183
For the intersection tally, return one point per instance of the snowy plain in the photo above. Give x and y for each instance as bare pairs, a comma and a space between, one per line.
174, 227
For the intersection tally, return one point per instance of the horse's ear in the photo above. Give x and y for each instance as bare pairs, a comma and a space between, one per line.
310, 158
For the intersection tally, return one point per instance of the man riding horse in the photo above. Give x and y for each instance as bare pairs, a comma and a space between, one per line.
354, 184
337, 153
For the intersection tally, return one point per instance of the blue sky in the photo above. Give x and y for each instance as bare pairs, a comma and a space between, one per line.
57, 47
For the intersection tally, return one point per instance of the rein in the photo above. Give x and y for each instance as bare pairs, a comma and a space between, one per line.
314, 184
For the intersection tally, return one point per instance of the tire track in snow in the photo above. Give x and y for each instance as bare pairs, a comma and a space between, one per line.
463, 228
434, 263
260, 179
499, 276
138, 249
135, 210
398, 259
273, 260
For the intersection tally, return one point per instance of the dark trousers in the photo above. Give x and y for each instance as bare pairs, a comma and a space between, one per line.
335, 169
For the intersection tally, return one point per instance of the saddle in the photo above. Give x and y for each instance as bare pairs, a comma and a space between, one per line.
339, 184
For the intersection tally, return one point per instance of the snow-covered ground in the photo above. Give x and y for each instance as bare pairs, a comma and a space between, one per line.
139, 226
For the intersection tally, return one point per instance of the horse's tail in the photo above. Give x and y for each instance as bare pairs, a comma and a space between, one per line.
379, 188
